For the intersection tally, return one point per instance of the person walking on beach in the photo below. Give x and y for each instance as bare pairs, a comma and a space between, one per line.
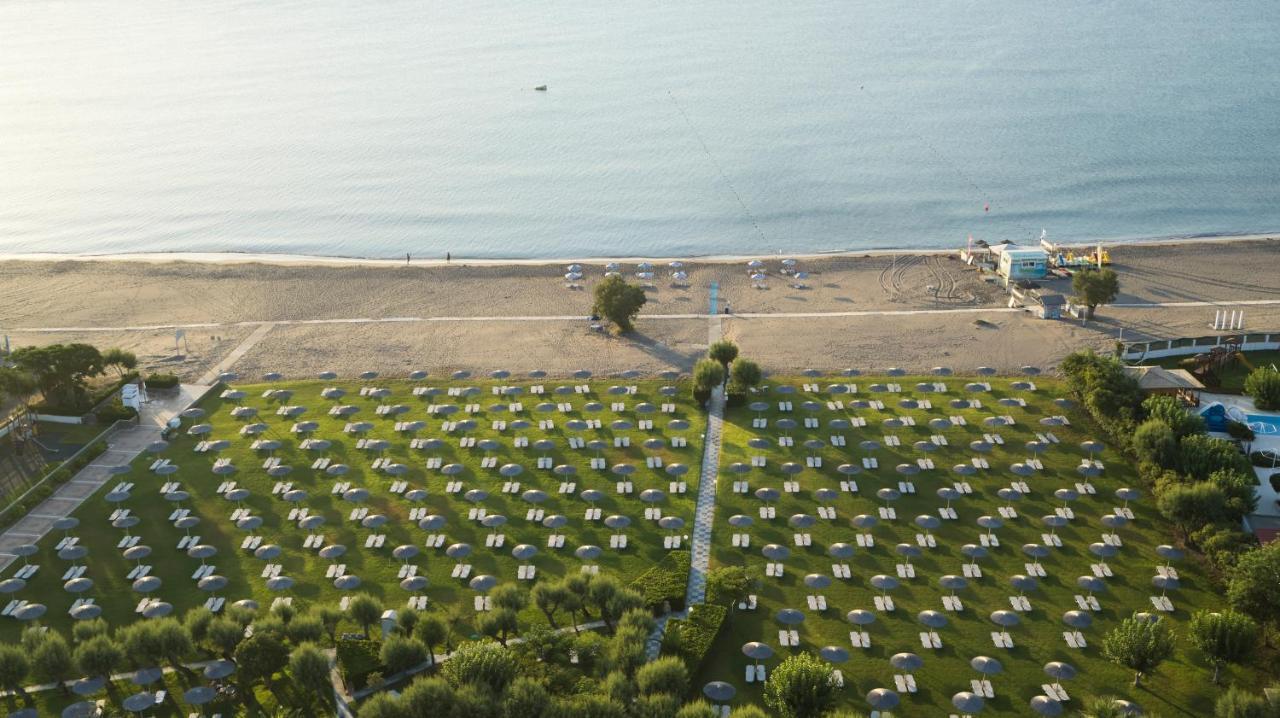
448, 257
406, 259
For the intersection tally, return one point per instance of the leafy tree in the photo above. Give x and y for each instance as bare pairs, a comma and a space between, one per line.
1202, 455
197, 621
82, 631
173, 643
600, 593
1169, 410
1112, 397
1263, 384
1095, 287
304, 629
406, 620
743, 375
549, 598
98, 656
707, 375
697, 709
1154, 441
619, 302
590, 705
500, 623
1138, 644
60, 370
330, 618
510, 597
366, 611
526, 698
432, 632
17, 383
481, 663
431, 697
667, 674
1191, 506
1254, 584
382, 705
224, 635
723, 351
590, 649
657, 705
51, 662
14, 668
728, 585
309, 668
123, 361
1239, 703
400, 653
261, 656
1224, 637
626, 650
618, 686
284, 612
1239, 490
637, 619
802, 686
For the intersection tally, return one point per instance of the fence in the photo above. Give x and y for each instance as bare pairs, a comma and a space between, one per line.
1187, 346
6, 519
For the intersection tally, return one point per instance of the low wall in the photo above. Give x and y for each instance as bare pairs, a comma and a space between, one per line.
59, 419
1190, 346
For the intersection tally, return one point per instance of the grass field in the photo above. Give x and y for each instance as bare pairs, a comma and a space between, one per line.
376, 568
1180, 687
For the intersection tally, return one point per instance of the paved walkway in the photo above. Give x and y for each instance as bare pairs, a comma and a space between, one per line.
705, 511
211, 376
123, 446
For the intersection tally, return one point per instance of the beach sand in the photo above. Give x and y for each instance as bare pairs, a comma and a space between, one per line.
521, 316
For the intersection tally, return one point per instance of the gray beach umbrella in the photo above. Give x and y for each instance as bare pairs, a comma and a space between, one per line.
311, 523
564, 470
848, 469
740, 520
982, 447
908, 551
1009, 402
219, 669
1046, 706
493, 521
199, 695
677, 469
555, 521
186, 523
483, 583
882, 699
617, 522
119, 469
458, 551
200, 429
346, 583
1023, 584
776, 552
789, 617
817, 581
1112, 521
1060, 671
1021, 469
719, 691
452, 469
652, 496
654, 443
146, 584
1021, 386
30, 612
279, 583
587, 552
1165, 583
126, 523
623, 469
767, 494
1066, 495
932, 619
82, 709
1169, 553
953, 583
1103, 551
432, 522
825, 494
986, 665
157, 446
591, 495
534, 496
157, 609
73, 553
1091, 584
893, 423
237, 495
1127, 494
12, 585
240, 412
78, 585
757, 651
990, 523
254, 429
249, 523
860, 617
927, 522
973, 551
167, 470
1077, 619
212, 583
177, 497
202, 551
413, 583
995, 421
884, 583
801, 521
864, 521
82, 687
404, 552
524, 552
964, 470
671, 523
840, 550
65, 523
267, 552
139, 702
757, 442
1007, 619
511, 470
1051, 421
279, 471
833, 654
887, 494
1035, 550
907, 469
967, 702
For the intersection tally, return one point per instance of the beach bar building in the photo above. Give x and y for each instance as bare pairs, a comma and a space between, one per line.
1178, 383
1017, 263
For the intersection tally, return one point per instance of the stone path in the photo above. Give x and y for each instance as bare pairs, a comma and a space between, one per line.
211, 376
124, 445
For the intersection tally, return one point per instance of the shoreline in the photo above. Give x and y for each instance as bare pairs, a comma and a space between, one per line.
234, 258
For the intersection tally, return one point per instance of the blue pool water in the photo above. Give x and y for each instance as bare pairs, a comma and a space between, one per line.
1264, 424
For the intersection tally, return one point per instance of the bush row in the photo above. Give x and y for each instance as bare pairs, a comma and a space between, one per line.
357, 659
162, 381
665, 582
90, 399
691, 638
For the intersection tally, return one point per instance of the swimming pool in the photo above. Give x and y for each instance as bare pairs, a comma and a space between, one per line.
1263, 424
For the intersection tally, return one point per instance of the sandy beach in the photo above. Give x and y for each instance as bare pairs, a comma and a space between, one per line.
866, 310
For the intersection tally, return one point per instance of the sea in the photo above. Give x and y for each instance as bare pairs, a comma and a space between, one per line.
380, 129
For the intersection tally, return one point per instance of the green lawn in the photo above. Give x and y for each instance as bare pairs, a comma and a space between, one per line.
1179, 687
1231, 376
377, 569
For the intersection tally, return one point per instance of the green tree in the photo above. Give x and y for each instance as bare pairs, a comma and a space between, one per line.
744, 375
1154, 441
577, 585
480, 663
98, 656
748, 711
432, 632
510, 597
51, 661
304, 629
400, 653
802, 686
549, 598
1239, 703
432, 697
724, 352
173, 643
330, 618
1093, 288
657, 705
1263, 384
667, 674
1254, 583
261, 656
697, 709
1138, 644
60, 370
123, 361
618, 301
526, 698
500, 623
82, 631
382, 705
1224, 637
727, 585
707, 375
224, 636
1191, 506
14, 668
17, 383
1203, 455
197, 621
1173, 414
366, 611
406, 620
309, 668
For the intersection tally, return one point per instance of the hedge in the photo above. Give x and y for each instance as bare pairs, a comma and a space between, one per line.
162, 381
665, 582
357, 658
113, 412
697, 633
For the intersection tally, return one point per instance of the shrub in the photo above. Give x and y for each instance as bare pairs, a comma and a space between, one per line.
357, 658
113, 412
1155, 442
1174, 415
664, 582
162, 381
1202, 455
1110, 396
1240, 431
707, 375
697, 633
1263, 384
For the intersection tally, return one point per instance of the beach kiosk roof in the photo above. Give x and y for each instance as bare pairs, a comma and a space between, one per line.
1172, 382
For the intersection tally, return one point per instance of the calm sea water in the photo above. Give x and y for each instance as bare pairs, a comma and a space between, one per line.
375, 129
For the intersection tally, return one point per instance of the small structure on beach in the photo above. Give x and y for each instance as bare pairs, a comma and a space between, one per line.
1178, 383
1014, 262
